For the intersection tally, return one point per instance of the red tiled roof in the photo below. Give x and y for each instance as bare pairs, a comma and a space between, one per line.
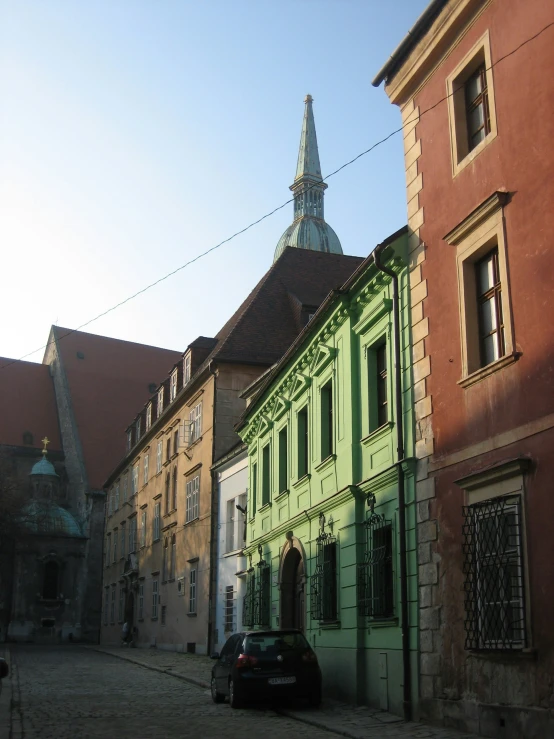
108, 386
27, 403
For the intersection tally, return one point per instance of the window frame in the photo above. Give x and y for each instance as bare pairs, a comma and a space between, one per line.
156, 522
143, 528
160, 402
327, 419
266, 474
192, 590
303, 441
192, 509
155, 597
140, 610
283, 455
145, 468
187, 368
173, 385
148, 422
159, 456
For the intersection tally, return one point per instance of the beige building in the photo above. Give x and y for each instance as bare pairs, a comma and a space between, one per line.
160, 539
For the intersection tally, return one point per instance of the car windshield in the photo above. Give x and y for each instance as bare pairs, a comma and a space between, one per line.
272, 643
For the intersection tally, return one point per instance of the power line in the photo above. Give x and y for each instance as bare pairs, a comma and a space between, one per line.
278, 208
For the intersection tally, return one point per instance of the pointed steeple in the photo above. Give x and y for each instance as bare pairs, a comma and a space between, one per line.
309, 229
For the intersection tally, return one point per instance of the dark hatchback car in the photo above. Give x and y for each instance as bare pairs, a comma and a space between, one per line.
266, 665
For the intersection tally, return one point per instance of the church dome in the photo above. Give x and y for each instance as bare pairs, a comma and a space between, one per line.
44, 467
309, 233
45, 517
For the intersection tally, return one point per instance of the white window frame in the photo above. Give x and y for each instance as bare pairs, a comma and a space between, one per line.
186, 368
155, 597
140, 614
173, 386
230, 533
192, 499
135, 480
129, 439
160, 407
146, 465
138, 428
156, 521
148, 416
192, 590
159, 456
195, 418
143, 528
117, 497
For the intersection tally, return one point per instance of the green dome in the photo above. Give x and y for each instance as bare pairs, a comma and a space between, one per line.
44, 517
44, 467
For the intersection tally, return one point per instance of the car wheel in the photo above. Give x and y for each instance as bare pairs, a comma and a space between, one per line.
216, 697
314, 699
235, 698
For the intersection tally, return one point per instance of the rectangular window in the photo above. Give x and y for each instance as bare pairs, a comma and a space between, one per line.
174, 490
173, 558
192, 591
135, 481
132, 534
195, 419
159, 457
241, 520
266, 475
148, 416
156, 523
122, 540
108, 550
110, 502
489, 308
145, 468
192, 507
378, 388
230, 526
173, 386
155, 598
160, 402
186, 369
494, 569
129, 439
138, 429
106, 606
283, 460
125, 487
303, 442
121, 603
176, 441
229, 621
143, 528
327, 427
477, 107
254, 488
112, 606
141, 601
375, 573
168, 449
117, 497
115, 533
164, 615
324, 580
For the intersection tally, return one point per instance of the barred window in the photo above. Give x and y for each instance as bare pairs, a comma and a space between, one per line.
229, 616
375, 573
493, 569
256, 610
324, 580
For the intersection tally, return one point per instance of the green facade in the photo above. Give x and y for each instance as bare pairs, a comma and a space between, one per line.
323, 514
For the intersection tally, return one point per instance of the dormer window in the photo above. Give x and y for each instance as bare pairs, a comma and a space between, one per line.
129, 439
173, 386
148, 416
160, 401
138, 428
186, 369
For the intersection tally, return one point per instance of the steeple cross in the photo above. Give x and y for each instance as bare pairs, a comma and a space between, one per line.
45, 441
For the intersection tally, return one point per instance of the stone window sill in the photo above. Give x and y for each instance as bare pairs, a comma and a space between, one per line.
301, 480
505, 656
282, 496
483, 372
327, 462
378, 433
192, 615
383, 623
265, 507
329, 625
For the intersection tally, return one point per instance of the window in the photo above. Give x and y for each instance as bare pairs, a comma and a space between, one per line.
164, 615
115, 534
159, 457
145, 468
121, 603
256, 609
192, 591
125, 486
195, 418
283, 460
132, 534
486, 330
327, 429
173, 558
164, 560
494, 572
110, 502
129, 439
156, 523
160, 402
106, 605
108, 550
471, 108
116, 506
489, 308
138, 429
50, 579
230, 526
141, 601
148, 416
168, 449
174, 490
229, 615
266, 475
303, 442
135, 481
324, 580
167, 489
186, 369
155, 598
254, 487
143, 528
122, 540
377, 366
112, 606
176, 442
173, 386
193, 487
375, 573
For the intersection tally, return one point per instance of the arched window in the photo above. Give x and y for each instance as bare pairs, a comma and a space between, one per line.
167, 481
174, 491
164, 561
173, 555
50, 580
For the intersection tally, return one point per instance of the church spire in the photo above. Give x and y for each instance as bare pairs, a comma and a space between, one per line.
308, 156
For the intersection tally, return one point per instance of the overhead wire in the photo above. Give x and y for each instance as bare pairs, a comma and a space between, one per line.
251, 225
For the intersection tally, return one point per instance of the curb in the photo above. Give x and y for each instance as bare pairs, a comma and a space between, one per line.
172, 673
317, 724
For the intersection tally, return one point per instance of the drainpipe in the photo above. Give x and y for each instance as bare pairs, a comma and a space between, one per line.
407, 698
214, 539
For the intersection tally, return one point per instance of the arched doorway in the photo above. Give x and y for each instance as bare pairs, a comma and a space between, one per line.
292, 590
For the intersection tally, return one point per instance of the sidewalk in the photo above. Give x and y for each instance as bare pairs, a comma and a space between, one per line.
356, 722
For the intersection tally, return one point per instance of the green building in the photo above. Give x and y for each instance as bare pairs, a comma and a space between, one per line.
331, 504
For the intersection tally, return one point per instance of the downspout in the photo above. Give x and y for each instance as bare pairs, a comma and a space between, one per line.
404, 624
214, 514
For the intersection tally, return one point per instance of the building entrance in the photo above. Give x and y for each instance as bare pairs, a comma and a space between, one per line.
292, 591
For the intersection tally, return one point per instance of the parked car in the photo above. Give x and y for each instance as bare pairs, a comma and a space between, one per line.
266, 665
4, 670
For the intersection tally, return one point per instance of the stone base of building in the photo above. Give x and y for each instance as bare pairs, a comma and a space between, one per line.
489, 719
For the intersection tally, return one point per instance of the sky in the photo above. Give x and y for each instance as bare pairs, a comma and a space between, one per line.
135, 135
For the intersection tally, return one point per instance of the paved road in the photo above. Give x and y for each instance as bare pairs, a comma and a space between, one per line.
75, 693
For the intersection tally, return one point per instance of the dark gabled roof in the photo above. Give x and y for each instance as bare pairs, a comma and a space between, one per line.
203, 342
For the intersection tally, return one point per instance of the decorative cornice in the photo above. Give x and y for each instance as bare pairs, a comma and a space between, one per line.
502, 471
493, 203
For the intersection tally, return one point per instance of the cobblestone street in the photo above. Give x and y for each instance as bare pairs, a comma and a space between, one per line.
68, 692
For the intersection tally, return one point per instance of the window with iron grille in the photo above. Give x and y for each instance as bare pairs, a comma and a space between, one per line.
256, 609
375, 573
324, 580
229, 620
248, 600
494, 581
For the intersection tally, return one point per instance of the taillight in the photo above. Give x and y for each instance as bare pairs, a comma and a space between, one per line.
246, 660
309, 656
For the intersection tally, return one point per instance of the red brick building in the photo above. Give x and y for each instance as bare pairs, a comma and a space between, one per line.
474, 81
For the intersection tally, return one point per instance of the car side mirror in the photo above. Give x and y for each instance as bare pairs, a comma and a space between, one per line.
214, 655
4, 669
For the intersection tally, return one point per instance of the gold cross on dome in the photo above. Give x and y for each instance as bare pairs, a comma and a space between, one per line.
45, 441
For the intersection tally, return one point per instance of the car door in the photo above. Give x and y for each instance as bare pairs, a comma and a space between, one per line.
224, 663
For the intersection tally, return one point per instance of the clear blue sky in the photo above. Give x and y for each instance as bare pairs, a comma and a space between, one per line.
135, 135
